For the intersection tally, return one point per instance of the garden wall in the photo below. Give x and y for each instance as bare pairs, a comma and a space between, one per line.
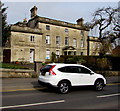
16, 73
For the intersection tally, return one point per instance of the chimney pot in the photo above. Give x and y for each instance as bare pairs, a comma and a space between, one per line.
80, 21
33, 11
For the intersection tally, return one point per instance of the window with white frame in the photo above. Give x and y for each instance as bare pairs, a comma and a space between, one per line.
94, 45
32, 38
57, 53
66, 40
47, 54
47, 39
58, 40
82, 33
74, 42
82, 43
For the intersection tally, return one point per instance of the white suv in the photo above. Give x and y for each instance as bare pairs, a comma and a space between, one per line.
63, 76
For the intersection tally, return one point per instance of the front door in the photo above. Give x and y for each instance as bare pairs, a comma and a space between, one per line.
6, 55
32, 51
84, 76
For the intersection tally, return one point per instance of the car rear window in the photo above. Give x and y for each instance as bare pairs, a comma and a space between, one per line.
46, 68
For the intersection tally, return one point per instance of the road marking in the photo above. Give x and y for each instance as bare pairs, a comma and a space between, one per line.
110, 95
35, 104
30, 89
113, 84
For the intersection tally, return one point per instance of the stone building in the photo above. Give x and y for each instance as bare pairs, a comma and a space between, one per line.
93, 46
37, 38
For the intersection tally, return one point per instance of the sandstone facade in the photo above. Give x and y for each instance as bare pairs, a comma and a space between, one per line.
37, 38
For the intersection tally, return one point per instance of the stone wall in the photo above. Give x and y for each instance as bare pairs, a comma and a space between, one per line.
17, 73
60, 31
21, 44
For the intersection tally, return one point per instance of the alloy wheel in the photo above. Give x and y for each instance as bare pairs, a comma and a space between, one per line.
63, 87
99, 85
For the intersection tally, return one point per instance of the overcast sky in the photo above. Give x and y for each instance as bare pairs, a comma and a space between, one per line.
64, 11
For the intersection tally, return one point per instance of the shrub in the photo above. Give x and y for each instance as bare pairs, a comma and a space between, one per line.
103, 63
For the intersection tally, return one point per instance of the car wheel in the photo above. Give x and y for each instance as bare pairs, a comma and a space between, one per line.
63, 87
99, 84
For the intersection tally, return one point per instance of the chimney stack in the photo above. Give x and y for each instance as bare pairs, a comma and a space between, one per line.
25, 20
80, 21
33, 12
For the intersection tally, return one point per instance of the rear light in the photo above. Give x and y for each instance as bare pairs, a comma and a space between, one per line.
51, 72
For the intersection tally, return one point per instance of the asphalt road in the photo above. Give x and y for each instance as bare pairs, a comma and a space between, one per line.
26, 94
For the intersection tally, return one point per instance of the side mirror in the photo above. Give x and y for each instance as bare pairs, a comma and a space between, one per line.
91, 73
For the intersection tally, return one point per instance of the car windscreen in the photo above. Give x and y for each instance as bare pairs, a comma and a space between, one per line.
46, 68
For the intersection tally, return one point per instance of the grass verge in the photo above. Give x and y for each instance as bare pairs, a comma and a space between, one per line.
11, 66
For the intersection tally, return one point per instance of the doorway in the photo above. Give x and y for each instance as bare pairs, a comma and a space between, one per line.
32, 55
6, 55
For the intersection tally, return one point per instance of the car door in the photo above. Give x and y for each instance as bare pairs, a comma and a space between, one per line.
84, 76
72, 73
69, 73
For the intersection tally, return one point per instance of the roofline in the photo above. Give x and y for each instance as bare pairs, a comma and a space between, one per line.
58, 23
24, 29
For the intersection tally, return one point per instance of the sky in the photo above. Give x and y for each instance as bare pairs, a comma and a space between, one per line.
63, 11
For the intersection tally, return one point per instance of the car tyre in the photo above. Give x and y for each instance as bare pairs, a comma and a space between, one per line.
63, 87
99, 84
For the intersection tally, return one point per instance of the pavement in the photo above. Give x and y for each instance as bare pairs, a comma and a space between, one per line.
11, 84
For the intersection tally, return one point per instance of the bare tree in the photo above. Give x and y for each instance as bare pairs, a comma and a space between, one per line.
107, 22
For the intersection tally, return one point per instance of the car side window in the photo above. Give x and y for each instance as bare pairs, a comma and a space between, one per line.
63, 69
83, 70
72, 69
69, 69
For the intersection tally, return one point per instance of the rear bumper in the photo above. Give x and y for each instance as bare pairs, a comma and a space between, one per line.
48, 80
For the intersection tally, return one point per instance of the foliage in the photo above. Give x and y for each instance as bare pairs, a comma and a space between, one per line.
5, 26
43, 64
103, 63
81, 61
53, 57
34, 76
61, 59
71, 59
11, 66
96, 63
